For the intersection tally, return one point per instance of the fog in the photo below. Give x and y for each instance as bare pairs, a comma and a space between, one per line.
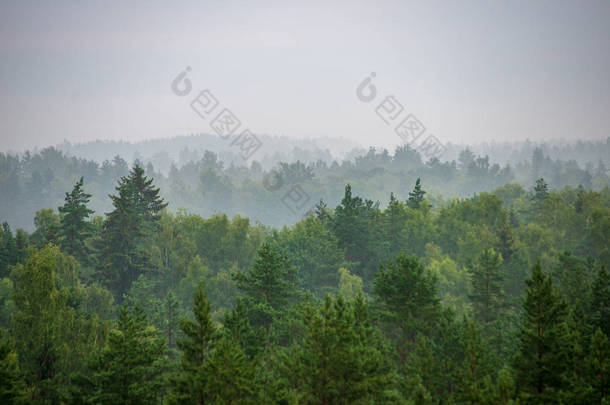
471, 72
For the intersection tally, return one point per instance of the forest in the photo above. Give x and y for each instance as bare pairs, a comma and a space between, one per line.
207, 179
462, 282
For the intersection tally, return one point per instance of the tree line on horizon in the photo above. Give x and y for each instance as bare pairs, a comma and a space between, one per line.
206, 185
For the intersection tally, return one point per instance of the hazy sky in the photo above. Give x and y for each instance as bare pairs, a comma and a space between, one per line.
471, 71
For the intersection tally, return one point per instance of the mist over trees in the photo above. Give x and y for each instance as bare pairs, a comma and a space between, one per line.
497, 297
204, 182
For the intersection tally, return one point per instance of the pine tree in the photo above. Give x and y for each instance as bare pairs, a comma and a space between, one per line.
541, 192
130, 368
487, 296
268, 285
358, 226
212, 369
408, 295
137, 207
321, 211
544, 338
395, 221
350, 226
343, 359
416, 196
195, 348
74, 227
237, 328
230, 376
477, 369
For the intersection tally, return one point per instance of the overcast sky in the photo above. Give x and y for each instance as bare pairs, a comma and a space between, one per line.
471, 71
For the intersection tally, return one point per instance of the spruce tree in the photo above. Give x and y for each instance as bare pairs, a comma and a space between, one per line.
74, 227
477, 369
486, 278
130, 368
230, 375
358, 226
350, 225
343, 359
395, 221
321, 211
195, 348
544, 339
268, 285
416, 196
407, 294
541, 192
212, 369
237, 327
136, 210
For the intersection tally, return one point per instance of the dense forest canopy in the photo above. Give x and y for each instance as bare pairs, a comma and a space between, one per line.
496, 298
305, 203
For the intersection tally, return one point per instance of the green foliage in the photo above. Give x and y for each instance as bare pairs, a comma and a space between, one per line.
268, 285
599, 367
314, 251
130, 368
11, 383
137, 208
343, 359
49, 297
74, 228
7, 304
12, 248
47, 228
396, 217
195, 348
356, 224
258, 333
213, 369
543, 355
407, 293
599, 232
416, 196
574, 277
475, 374
600, 301
486, 278
452, 280
350, 286
541, 192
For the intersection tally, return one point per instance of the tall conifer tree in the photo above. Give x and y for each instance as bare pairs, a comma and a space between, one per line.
74, 226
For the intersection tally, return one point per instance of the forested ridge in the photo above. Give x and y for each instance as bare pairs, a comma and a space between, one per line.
498, 298
205, 182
